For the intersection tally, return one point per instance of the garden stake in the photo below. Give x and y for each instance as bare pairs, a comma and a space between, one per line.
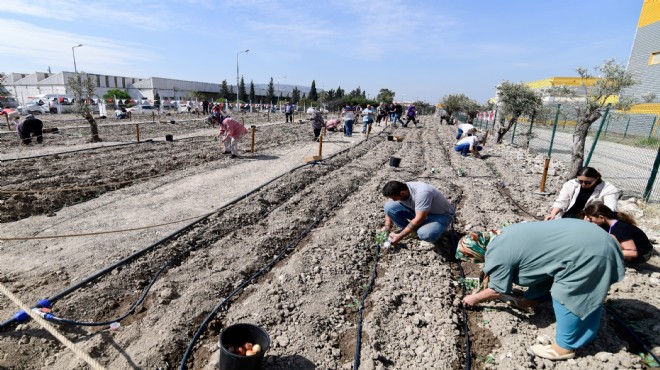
547, 159
321, 146
254, 128
8, 127
137, 132
153, 117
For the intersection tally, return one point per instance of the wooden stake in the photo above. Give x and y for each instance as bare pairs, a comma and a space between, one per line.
254, 128
137, 131
485, 138
153, 117
545, 174
8, 126
321, 146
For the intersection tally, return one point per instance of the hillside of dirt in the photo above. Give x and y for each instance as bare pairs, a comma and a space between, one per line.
269, 240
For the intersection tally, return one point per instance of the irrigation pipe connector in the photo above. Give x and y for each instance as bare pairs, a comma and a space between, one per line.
36, 316
22, 316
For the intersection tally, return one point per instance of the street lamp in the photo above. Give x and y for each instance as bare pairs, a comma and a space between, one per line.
237, 54
73, 51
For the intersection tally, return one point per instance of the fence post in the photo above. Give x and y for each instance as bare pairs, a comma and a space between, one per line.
607, 126
652, 126
654, 172
593, 145
627, 124
531, 123
554, 130
513, 133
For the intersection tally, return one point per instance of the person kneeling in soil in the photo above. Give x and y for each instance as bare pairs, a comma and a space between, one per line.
635, 245
332, 124
29, 128
416, 207
469, 144
572, 261
231, 132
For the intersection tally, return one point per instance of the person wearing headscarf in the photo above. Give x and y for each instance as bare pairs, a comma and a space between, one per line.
317, 122
572, 261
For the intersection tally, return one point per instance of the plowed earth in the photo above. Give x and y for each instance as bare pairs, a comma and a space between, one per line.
283, 245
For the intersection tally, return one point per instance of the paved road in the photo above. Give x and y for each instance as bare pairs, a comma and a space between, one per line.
628, 167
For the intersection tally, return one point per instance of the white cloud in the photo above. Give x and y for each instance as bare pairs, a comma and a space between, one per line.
48, 47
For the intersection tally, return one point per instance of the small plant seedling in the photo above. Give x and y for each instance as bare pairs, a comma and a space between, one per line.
469, 283
381, 237
489, 359
460, 172
648, 359
354, 303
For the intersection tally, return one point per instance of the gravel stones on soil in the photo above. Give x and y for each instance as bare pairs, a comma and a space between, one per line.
318, 222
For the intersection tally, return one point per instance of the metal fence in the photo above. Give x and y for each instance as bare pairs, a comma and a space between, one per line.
627, 150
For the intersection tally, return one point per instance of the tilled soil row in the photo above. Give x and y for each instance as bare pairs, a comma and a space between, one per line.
45, 184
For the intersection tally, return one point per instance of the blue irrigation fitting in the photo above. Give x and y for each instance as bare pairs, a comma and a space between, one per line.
44, 303
21, 316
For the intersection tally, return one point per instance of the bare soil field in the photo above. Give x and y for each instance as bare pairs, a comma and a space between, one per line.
269, 240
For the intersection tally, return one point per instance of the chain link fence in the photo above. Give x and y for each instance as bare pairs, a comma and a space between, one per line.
626, 153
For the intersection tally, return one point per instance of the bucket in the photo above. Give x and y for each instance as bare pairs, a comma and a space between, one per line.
169, 137
394, 161
235, 336
390, 137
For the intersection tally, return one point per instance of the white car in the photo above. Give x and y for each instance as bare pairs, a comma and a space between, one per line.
188, 107
142, 109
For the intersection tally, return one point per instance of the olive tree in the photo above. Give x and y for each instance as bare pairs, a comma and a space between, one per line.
514, 100
82, 85
385, 95
460, 103
612, 80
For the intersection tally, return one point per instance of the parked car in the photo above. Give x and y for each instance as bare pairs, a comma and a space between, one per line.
142, 109
187, 107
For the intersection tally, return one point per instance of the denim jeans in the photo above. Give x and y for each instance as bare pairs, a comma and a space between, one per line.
365, 124
431, 229
464, 149
459, 133
348, 127
397, 118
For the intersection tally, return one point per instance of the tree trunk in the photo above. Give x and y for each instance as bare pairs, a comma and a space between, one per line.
502, 129
94, 128
579, 138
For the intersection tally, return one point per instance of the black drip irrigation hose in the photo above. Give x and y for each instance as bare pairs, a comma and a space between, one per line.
454, 243
374, 273
630, 332
279, 256
264, 269
21, 316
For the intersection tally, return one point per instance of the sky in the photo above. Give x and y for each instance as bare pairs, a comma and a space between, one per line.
420, 49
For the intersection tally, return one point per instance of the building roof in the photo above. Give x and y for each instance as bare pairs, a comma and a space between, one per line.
561, 81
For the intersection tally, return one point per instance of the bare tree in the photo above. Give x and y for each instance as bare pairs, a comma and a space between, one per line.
515, 99
83, 85
612, 80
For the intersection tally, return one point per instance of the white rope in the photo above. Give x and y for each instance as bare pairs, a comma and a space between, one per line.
52, 330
